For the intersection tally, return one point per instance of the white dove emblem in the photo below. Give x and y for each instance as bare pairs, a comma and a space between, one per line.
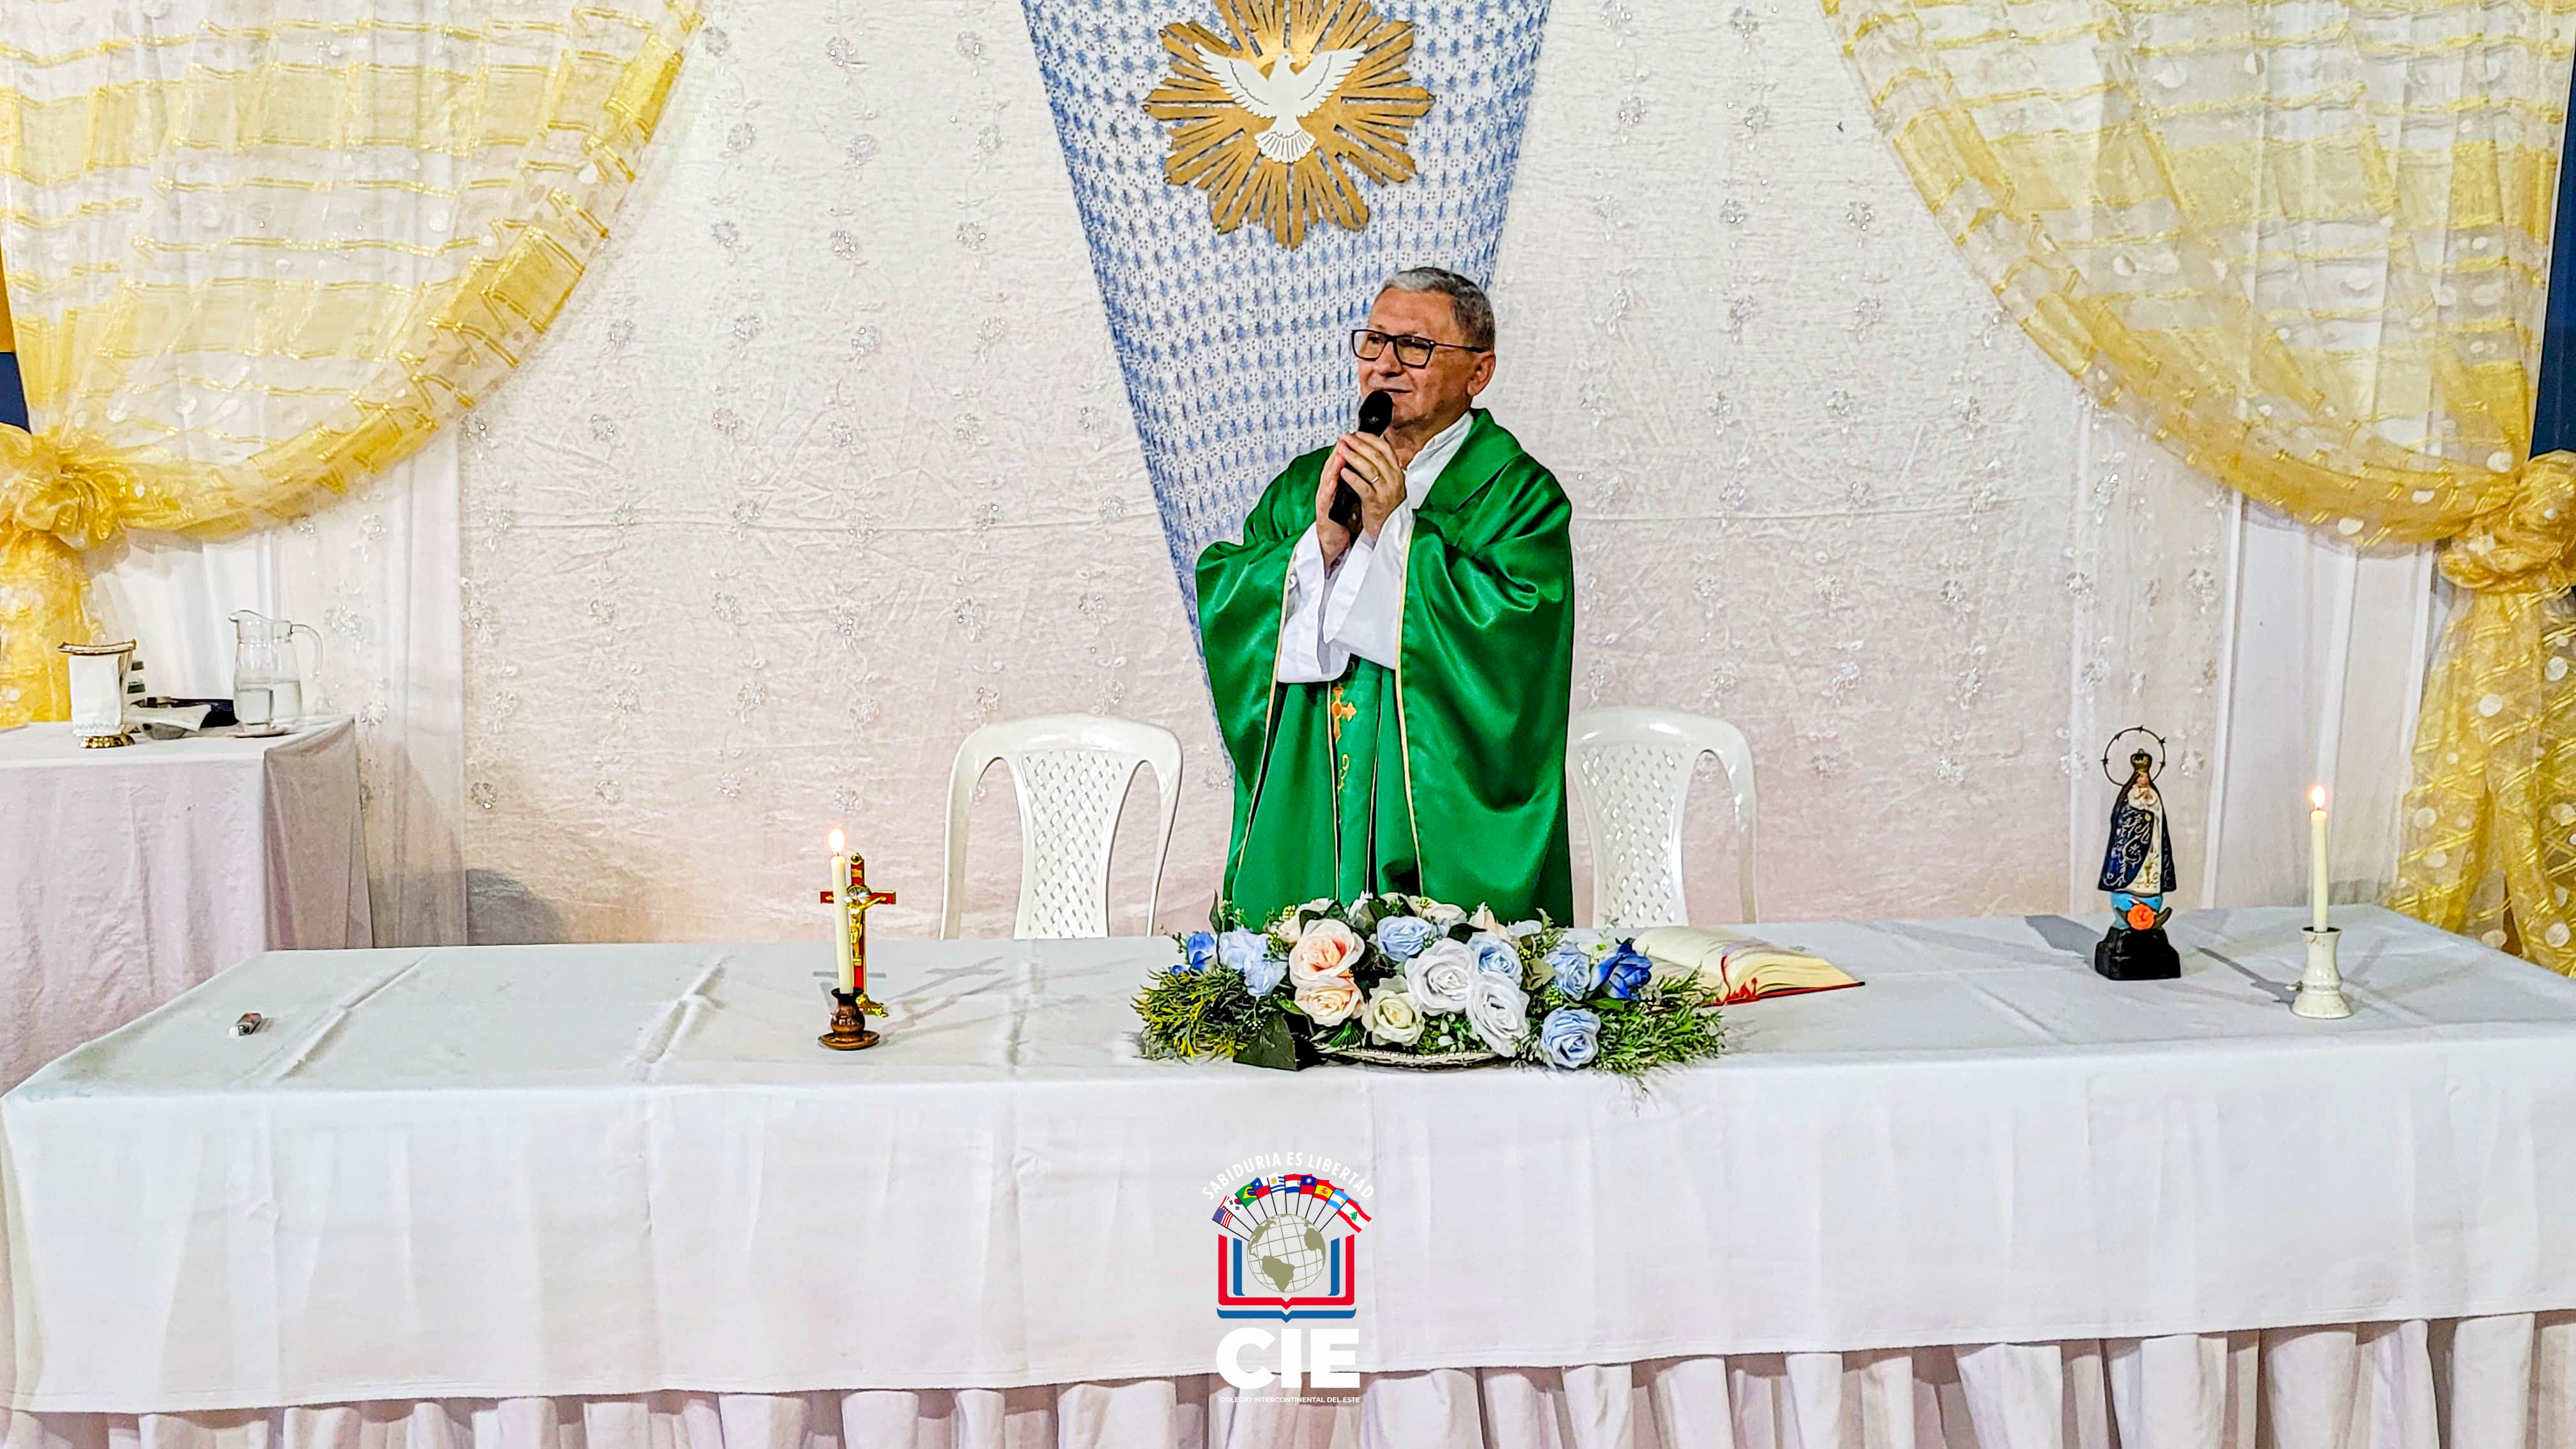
1284, 97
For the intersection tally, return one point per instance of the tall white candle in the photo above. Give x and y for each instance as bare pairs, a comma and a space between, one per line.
839, 895
2317, 858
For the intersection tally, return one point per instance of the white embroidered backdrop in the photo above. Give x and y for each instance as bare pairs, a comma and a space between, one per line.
828, 462
831, 464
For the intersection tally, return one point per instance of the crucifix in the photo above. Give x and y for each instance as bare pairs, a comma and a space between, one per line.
851, 1006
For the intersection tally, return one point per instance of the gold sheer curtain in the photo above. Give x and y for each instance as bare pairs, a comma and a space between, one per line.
258, 252
2306, 246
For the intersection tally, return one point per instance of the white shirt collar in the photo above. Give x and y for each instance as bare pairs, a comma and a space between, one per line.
1426, 466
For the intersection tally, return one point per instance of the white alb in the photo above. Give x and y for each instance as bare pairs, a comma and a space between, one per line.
1357, 606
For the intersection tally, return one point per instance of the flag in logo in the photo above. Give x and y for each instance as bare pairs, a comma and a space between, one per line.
1288, 1247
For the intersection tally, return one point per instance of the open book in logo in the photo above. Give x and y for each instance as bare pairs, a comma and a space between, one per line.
1288, 1247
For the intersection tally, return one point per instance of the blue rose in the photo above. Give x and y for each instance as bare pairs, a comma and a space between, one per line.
1401, 938
1198, 950
1264, 975
1240, 949
1495, 956
1569, 1037
1625, 970
1575, 970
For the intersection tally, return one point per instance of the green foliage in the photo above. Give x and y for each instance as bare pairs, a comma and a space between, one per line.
1663, 1026
1534, 948
1278, 1045
1448, 1033
1373, 970
1200, 1014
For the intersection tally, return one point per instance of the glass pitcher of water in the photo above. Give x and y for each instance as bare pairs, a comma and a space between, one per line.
268, 680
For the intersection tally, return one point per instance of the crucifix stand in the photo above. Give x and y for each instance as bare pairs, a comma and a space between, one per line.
852, 1008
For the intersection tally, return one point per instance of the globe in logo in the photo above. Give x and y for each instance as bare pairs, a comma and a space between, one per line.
1287, 1247
1288, 1254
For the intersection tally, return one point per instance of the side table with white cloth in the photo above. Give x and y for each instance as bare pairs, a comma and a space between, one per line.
129, 875
617, 1196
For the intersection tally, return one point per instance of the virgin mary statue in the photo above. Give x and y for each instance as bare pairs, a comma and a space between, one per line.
2138, 866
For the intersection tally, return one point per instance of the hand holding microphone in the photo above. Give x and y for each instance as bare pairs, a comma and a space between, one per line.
1376, 411
1372, 466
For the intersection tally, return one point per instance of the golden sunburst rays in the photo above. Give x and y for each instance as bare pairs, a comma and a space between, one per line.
1272, 122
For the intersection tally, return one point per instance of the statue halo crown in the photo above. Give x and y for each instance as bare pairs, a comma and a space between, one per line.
2138, 758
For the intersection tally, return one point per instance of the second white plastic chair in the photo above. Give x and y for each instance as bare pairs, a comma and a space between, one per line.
1631, 767
1072, 773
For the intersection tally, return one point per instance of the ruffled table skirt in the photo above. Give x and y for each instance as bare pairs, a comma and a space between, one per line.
2483, 1383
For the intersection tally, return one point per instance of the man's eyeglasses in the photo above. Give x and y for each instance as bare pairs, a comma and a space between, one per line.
1369, 346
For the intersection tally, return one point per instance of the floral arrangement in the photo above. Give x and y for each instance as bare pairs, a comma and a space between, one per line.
1396, 977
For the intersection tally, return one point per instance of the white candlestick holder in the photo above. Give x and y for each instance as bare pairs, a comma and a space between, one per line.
2321, 987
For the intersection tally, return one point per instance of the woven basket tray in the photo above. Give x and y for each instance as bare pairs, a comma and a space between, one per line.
1436, 1062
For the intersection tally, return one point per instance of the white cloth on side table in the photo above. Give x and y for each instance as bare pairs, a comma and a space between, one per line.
1978, 1182
129, 875
1357, 607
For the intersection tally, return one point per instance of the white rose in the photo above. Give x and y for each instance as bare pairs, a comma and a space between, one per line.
1392, 1017
1484, 920
1499, 1012
1330, 1004
1441, 914
1441, 977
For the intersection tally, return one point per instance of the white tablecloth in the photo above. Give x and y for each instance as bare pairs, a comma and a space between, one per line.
129, 875
475, 1173
2495, 1383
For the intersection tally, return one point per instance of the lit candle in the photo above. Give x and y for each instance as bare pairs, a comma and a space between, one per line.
2317, 858
839, 895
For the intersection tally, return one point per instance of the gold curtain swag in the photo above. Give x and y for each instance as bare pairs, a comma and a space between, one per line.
349, 227
2305, 246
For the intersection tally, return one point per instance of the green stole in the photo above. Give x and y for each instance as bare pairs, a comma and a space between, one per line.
1443, 777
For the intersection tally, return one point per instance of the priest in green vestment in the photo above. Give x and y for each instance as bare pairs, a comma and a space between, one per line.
1394, 697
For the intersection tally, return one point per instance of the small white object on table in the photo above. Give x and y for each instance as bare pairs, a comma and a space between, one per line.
129, 875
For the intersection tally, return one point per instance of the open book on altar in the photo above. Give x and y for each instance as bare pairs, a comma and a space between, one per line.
1743, 968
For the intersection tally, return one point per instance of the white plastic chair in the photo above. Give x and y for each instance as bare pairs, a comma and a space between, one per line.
1072, 772
1632, 769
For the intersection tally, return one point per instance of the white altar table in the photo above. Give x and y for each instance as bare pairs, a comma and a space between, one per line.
130, 875
1986, 1198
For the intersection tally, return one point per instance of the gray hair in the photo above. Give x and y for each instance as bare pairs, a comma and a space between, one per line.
1469, 307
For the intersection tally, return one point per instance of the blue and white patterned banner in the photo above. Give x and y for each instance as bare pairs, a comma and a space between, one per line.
1234, 343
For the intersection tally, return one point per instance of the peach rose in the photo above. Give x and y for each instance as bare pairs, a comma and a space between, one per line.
1330, 1004
1324, 956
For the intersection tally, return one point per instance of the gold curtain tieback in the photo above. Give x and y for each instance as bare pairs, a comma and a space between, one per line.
2527, 546
69, 488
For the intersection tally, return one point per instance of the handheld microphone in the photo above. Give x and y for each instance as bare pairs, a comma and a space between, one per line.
1377, 410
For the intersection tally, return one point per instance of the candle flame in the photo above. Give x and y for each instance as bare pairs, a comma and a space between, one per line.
837, 840
2317, 797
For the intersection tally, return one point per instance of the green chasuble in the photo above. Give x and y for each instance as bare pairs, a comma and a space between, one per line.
1443, 777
